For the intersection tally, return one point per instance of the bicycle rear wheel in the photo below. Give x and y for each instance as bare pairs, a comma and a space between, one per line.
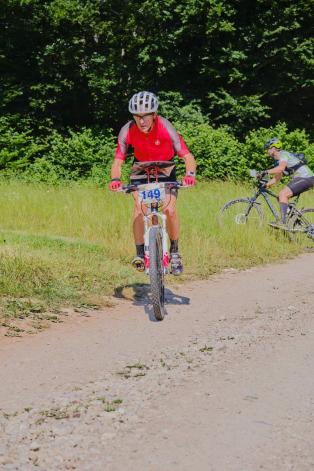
302, 224
241, 211
156, 272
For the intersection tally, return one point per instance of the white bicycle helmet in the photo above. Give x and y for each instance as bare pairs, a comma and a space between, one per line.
143, 102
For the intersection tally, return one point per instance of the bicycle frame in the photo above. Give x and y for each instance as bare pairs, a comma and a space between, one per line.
155, 218
155, 196
265, 193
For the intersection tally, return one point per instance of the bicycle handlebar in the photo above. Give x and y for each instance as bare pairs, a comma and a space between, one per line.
170, 185
260, 181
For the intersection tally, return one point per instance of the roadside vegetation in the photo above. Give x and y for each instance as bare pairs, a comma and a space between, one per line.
71, 245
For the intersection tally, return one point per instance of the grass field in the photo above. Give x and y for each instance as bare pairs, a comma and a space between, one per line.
62, 246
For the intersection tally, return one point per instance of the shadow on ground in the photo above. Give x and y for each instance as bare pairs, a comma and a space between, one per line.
140, 295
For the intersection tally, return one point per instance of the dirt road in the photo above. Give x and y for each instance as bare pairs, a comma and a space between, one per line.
224, 383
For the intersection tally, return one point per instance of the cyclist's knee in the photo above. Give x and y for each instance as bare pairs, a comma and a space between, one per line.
137, 211
285, 193
170, 212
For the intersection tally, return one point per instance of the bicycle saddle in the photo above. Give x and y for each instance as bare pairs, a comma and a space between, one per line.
153, 164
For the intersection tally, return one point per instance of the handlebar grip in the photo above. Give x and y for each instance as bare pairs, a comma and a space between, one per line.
134, 187
128, 188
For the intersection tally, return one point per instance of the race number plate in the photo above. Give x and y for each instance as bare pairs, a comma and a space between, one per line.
152, 193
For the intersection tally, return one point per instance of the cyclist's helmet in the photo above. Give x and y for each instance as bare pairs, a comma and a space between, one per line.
274, 142
143, 102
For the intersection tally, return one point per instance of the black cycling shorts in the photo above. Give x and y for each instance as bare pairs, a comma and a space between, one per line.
300, 184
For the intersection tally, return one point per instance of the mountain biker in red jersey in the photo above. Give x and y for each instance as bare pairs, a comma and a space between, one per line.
153, 138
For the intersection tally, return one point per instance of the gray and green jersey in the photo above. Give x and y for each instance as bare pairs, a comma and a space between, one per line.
292, 160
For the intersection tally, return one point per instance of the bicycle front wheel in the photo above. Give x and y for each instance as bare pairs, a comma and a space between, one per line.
156, 272
302, 224
241, 212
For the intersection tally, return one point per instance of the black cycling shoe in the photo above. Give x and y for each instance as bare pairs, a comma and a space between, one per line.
176, 264
138, 263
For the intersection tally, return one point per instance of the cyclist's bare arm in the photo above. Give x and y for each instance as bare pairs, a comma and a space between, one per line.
116, 168
278, 170
274, 180
190, 164
277, 173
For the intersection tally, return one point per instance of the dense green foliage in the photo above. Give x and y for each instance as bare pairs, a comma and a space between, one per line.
88, 155
75, 62
226, 72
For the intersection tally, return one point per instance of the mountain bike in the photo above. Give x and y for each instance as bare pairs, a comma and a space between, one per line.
249, 212
153, 198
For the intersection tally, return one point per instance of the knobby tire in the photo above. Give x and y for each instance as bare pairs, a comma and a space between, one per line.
241, 211
156, 272
300, 226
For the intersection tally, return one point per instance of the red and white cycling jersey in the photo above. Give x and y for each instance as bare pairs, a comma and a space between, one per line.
163, 142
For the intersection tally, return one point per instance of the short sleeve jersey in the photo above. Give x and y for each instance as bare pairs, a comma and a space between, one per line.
163, 142
303, 172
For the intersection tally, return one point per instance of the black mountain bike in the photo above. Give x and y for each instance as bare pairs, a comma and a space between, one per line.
249, 212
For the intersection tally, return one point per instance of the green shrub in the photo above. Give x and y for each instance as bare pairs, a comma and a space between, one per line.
78, 153
298, 141
87, 154
218, 153
172, 107
294, 141
238, 112
44, 171
18, 148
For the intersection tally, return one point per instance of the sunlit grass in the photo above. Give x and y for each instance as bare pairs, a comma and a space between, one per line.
74, 244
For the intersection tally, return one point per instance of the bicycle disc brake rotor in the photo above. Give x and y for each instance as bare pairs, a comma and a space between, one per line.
240, 218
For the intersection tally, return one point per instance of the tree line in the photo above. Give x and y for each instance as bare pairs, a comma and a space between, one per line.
73, 64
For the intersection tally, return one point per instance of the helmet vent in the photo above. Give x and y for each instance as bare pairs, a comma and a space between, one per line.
143, 102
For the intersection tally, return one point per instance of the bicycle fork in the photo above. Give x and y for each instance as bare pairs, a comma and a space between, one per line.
150, 220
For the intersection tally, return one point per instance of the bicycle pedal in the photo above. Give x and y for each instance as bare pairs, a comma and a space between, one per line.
176, 265
138, 264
